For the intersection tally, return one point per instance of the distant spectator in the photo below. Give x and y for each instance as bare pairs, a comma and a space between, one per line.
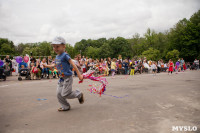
125, 65
196, 62
44, 69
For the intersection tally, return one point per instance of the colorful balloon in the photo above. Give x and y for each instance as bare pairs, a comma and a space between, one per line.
1, 63
18, 59
26, 59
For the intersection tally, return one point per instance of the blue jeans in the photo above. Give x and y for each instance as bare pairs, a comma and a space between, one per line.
44, 70
126, 70
181, 67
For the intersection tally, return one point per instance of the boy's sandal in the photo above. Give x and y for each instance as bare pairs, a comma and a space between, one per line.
61, 109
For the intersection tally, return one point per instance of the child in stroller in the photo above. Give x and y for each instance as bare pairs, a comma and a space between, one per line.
2, 74
24, 72
7, 69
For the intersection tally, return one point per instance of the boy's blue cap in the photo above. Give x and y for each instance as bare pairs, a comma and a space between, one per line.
58, 40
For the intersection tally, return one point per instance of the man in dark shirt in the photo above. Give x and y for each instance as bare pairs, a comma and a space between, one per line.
125, 65
7, 59
9, 62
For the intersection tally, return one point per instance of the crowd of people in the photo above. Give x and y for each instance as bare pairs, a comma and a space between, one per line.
35, 69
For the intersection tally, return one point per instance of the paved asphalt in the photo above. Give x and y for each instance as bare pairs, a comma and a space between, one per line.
149, 104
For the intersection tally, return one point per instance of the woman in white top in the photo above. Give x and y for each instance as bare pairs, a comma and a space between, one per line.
15, 66
44, 69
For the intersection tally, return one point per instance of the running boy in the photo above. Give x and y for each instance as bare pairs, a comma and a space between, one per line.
62, 63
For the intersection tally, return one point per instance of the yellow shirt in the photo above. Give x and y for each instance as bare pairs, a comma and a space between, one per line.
113, 65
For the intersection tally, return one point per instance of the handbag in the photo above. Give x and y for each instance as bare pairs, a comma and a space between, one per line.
35, 70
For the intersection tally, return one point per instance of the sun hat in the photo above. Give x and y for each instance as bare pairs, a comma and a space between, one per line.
58, 40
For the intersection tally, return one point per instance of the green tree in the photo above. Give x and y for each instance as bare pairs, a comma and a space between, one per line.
93, 52
81, 46
120, 46
6, 49
35, 51
152, 54
136, 45
173, 55
70, 50
27, 50
45, 48
150, 36
185, 37
105, 51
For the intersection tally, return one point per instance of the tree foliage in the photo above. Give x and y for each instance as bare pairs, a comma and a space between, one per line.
173, 55
152, 54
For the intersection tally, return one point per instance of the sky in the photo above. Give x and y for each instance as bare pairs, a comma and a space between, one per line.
29, 21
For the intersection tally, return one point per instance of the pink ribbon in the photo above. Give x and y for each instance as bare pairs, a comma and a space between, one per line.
101, 89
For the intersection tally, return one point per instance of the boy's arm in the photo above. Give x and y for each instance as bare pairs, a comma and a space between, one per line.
76, 69
49, 66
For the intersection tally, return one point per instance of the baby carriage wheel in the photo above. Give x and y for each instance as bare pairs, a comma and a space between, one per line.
28, 77
4, 78
20, 78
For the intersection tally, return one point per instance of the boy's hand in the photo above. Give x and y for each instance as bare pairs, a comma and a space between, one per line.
81, 78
